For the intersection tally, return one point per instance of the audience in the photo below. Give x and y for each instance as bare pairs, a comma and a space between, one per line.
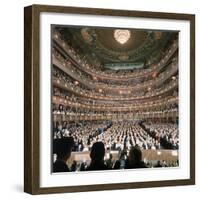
97, 157
166, 133
86, 88
63, 149
131, 160
135, 85
135, 159
74, 85
117, 164
119, 136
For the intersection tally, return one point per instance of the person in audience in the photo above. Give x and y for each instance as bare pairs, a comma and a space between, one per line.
167, 134
63, 151
74, 166
109, 161
97, 157
135, 159
120, 137
117, 164
83, 166
164, 164
159, 164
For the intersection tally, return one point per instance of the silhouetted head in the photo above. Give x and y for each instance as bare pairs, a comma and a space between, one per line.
64, 148
97, 152
135, 155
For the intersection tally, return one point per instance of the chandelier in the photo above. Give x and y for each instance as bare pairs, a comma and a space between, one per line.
121, 35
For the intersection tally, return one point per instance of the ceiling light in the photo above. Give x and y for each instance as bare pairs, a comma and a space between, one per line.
122, 36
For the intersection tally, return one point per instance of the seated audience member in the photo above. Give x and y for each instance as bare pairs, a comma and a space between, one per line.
109, 162
135, 159
97, 157
83, 166
159, 164
63, 151
74, 166
117, 165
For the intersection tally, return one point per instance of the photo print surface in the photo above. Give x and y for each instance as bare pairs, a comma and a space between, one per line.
114, 101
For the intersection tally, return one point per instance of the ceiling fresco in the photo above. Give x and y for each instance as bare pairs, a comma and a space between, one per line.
101, 45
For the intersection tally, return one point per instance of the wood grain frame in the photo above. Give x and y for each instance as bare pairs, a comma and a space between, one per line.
32, 104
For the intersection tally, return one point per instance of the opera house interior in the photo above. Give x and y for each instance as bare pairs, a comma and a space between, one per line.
115, 95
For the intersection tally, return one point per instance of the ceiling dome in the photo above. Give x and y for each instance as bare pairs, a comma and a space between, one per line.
116, 45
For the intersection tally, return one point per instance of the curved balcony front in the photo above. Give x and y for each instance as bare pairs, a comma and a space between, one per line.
92, 94
172, 69
125, 108
117, 117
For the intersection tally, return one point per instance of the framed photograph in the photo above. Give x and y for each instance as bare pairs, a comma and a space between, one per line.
109, 99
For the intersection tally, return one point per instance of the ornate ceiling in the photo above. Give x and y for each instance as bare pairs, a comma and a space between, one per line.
101, 46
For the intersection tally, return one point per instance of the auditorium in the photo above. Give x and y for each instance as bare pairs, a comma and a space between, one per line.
114, 102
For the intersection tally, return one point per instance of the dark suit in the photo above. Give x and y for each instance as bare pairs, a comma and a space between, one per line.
97, 166
138, 165
60, 166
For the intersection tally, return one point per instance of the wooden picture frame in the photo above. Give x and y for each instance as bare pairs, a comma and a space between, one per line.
32, 98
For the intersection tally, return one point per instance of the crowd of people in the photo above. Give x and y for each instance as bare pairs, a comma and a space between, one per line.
120, 136
167, 134
152, 90
84, 134
98, 102
137, 83
83, 75
126, 160
78, 88
60, 109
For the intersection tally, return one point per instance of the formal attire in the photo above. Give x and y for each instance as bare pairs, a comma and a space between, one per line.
97, 166
60, 166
